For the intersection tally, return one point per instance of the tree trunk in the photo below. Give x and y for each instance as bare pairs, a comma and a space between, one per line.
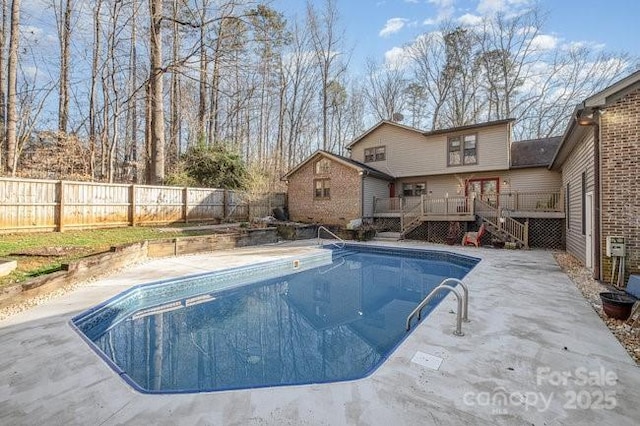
3, 85
156, 93
134, 94
174, 146
12, 73
92, 90
202, 95
65, 37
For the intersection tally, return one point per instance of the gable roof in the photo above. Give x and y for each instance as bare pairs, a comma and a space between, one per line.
430, 132
534, 152
468, 127
574, 133
380, 124
358, 166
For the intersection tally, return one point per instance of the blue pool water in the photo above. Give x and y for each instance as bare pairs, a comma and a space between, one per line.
333, 322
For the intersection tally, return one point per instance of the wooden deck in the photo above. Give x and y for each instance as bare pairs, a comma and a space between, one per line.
533, 205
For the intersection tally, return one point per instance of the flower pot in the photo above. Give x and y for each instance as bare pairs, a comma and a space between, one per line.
617, 305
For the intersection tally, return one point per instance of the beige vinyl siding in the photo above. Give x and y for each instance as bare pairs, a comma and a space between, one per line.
410, 153
533, 179
373, 188
451, 184
580, 160
394, 139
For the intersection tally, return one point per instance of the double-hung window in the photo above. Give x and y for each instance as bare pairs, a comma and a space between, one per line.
462, 150
377, 153
322, 188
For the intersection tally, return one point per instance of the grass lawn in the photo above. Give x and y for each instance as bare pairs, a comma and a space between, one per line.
39, 253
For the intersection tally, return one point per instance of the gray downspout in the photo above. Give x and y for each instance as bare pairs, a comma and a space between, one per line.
364, 173
597, 270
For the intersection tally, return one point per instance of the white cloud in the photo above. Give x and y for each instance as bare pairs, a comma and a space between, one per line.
544, 42
392, 26
490, 7
444, 10
412, 1
592, 45
470, 19
397, 57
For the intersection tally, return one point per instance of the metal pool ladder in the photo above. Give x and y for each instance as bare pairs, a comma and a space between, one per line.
463, 304
341, 241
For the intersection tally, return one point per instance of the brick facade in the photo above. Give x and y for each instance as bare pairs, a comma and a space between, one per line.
620, 178
344, 203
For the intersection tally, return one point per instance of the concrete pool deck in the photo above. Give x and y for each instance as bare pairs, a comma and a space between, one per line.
534, 352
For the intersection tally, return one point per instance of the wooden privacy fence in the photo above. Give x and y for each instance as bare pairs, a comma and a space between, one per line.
32, 205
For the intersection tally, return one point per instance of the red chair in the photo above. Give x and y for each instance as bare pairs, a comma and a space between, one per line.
473, 237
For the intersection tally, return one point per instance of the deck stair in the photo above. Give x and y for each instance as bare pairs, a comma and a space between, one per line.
503, 228
411, 218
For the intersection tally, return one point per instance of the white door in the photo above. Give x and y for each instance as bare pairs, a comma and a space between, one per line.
588, 224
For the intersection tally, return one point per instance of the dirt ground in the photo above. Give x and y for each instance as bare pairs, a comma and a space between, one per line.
628, 336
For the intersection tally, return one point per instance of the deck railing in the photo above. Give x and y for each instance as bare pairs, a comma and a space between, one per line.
460, 205
531, 201
448, 206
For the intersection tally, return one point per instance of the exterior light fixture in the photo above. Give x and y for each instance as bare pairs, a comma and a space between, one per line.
586, 120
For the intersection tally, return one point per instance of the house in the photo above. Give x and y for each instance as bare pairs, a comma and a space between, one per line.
332, 189
599, 158
419, 183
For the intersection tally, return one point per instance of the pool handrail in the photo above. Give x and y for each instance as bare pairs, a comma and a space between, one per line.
465, 297
462, 304
343, 242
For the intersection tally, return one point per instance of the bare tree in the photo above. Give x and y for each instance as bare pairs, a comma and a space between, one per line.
156, 93
507, 56
429, 63
327, 39
385, 89
63, 10
12, 78
3, 83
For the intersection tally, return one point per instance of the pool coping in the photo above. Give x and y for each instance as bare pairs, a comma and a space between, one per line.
518, 325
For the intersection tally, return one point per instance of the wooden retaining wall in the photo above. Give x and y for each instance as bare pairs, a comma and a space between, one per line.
118, 257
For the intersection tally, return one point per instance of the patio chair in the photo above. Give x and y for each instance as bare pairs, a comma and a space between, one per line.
633, 290
473, 237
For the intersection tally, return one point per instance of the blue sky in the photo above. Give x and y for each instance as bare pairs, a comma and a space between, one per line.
375, 27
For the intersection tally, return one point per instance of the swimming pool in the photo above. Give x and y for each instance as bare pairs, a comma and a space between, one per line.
329, 317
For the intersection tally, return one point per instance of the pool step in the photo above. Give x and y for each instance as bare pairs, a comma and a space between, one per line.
387, 236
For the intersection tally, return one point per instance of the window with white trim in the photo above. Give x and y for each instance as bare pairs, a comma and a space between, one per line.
462, 150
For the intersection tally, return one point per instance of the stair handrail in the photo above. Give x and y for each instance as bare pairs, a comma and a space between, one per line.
405, 213
343, 242
510, 226
462, 304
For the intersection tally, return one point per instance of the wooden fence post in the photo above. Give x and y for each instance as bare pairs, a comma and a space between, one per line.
185, 204
132, 205
225, 204
60, 206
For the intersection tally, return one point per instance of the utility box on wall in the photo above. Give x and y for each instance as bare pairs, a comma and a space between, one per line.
615, 246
